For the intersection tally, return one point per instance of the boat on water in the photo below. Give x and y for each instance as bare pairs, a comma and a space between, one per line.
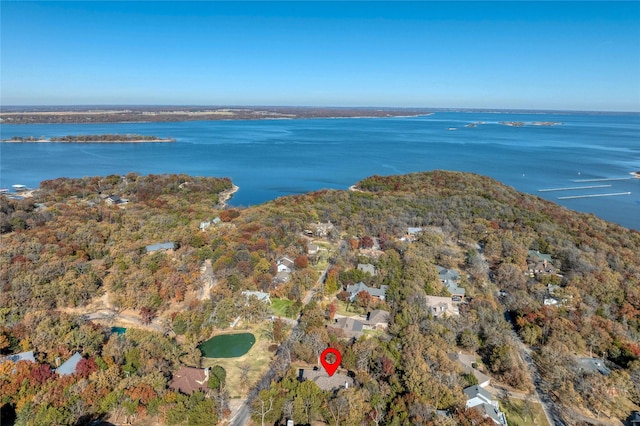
635, 174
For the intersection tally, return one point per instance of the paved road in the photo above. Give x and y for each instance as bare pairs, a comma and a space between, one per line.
551, 410
242, 416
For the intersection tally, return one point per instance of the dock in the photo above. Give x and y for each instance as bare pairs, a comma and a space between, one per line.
599, 180
613, 194
574, 187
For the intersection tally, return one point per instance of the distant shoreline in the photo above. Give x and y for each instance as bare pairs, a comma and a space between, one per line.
86, 142
183, 114
98, 138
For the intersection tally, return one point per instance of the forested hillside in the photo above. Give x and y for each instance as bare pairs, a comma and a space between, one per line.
80, 241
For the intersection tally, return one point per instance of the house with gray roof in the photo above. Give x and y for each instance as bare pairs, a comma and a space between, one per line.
593, 365
375, 319
281, 277
480, 399
378, 293
411, 234
467, 362
450, 278
285, 264
22, 356
260, 295
441, 306
69, 366
535, 255
321, 378
160, 246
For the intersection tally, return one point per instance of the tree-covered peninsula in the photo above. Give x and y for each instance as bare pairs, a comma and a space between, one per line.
428, 284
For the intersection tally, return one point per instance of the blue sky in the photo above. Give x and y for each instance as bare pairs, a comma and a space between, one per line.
529, 55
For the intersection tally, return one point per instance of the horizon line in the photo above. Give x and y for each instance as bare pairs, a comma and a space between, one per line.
450, 109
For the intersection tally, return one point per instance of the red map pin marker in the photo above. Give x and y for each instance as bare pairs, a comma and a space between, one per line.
330, 368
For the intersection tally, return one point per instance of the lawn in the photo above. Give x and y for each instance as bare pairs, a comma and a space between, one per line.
353, 309
279, 307
257, 359
521, 413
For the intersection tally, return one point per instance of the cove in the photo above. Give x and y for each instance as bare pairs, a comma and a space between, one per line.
227, 345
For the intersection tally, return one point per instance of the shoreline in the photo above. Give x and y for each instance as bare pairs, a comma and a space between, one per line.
226, 195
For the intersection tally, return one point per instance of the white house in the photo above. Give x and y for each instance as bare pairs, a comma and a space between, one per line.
285, 264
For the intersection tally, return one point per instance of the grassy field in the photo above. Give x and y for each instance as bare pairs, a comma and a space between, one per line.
353, 309
257, 359
279, 307
521, 413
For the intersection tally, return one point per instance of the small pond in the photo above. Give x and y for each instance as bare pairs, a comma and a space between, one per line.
118, 330
227, 345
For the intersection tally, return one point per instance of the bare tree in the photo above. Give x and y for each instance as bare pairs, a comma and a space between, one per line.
263, 407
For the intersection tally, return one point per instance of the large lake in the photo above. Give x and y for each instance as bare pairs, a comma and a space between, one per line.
272, 158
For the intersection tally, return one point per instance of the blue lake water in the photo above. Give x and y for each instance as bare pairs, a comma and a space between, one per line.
272, 158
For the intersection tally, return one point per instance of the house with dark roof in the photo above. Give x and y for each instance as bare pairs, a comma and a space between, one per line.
539, 264
376, 293
351, 327
160, 246
187, 380
321, 378
480, 399
69, 366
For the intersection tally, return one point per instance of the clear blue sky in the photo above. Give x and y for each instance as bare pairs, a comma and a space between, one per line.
537, 55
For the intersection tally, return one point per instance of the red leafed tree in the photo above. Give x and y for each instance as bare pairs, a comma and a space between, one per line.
143, 393
301, 261
85, 367
147, 315
366, 242
363, 299
343, 296
331, 310
40, 374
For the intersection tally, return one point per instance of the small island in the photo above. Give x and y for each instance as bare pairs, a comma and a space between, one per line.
535, 123
108, 138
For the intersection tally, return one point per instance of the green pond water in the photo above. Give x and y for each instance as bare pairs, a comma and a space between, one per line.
227, 345
118, 330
